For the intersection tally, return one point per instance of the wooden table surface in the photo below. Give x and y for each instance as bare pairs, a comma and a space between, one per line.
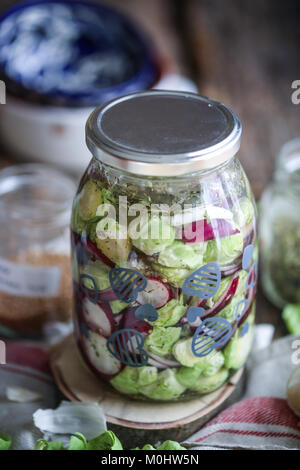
244, 53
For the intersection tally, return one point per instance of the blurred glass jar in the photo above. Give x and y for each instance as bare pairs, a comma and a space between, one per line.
35, 284
280, 229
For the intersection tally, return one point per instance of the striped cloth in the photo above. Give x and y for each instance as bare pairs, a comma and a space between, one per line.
253, 423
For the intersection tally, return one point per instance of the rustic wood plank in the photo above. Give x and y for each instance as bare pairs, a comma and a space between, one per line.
156, 18
247, 55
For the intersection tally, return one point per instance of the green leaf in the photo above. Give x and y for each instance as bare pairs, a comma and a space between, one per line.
77, 442
5, 442
170, 445
291, 317
146, 447
55, 445
106, 441
42, 444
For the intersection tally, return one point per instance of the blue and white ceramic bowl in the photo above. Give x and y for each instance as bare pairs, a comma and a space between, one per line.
59, 59
72, 53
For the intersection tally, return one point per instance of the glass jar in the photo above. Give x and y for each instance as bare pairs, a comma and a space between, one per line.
280, 229
35, 269
164, 247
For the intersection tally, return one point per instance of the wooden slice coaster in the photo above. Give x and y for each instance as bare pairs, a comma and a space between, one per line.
137, 422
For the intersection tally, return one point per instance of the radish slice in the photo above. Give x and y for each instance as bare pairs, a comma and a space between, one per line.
99, 356
202, 231
106, 295
156, 293
133, 323
224, 299
164, 362
98, 316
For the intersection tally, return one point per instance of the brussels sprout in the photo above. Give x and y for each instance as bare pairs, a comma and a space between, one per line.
161, 340
92, 231
224, 250
108, 197
209, 384
229, 312
99, 272
174, 276
214, 363
224, 286
5, 441
155, 235
106, 441
42, 444
146, 447
188, 376
77, 224
77, 442
247, 209
291, 317
170, 445
180, 255
199, 247
117, 245
241, 288
146, 375
117, 306
170, 314
126, 381
238, 349
74, 267
89, 200
165, 388
182, 351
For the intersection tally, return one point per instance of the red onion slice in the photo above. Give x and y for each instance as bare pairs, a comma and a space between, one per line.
202, 231
133, 323
224, 300
165, 363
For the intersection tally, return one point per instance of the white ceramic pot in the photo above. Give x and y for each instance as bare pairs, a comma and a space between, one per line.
56, 135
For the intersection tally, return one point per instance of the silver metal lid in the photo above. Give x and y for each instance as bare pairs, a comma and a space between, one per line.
163, 133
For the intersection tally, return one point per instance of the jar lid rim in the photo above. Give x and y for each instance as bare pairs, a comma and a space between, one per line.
163, 133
